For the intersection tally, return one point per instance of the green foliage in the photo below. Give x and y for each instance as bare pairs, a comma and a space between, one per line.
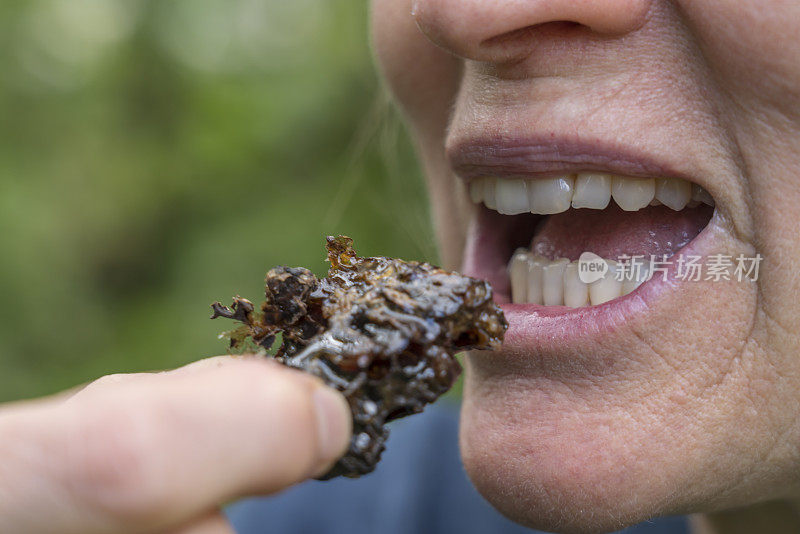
156, 156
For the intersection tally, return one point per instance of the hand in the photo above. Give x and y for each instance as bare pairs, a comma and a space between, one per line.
161, 452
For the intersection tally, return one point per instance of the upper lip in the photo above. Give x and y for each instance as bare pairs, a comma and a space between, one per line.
548, 155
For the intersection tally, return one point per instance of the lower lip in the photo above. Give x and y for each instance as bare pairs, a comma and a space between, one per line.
534, 326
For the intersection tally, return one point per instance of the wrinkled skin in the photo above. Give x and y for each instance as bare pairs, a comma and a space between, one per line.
693, 405
382, 331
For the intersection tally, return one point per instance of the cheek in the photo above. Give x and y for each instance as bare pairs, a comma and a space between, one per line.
751, 46
422, 77
424, 81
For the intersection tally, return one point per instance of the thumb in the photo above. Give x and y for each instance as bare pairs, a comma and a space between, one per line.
157, 450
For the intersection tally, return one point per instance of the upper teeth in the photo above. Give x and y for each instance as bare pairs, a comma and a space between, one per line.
512, 196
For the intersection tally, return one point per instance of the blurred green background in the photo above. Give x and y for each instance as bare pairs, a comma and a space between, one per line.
157, 155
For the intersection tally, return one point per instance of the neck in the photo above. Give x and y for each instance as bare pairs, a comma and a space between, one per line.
776, 517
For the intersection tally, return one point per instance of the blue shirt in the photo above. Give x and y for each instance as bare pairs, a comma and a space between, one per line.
419, 487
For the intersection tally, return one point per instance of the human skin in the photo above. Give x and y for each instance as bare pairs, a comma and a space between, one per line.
687, 401
161, 452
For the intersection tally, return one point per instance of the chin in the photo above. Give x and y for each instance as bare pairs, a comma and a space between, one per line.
556, 466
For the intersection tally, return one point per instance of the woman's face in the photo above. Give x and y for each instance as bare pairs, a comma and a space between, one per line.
682, 395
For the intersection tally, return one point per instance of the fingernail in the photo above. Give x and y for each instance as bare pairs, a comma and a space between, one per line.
334, 423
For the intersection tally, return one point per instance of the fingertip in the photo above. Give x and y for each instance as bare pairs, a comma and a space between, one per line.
294, 401
334, 426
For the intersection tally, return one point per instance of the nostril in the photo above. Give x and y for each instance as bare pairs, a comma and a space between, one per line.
564, 26
479, 29
516, 44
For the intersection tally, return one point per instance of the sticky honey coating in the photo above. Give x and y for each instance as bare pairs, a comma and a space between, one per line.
382, 331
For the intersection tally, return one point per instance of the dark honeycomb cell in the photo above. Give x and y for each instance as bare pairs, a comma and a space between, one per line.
382, 331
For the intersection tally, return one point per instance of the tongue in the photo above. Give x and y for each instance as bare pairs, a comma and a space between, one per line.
611, 233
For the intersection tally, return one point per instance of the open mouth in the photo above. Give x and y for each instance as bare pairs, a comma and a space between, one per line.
534, 233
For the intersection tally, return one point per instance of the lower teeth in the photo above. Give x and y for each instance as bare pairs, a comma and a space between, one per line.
538, 280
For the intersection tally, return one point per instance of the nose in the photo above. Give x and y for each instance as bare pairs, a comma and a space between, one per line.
495, 30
